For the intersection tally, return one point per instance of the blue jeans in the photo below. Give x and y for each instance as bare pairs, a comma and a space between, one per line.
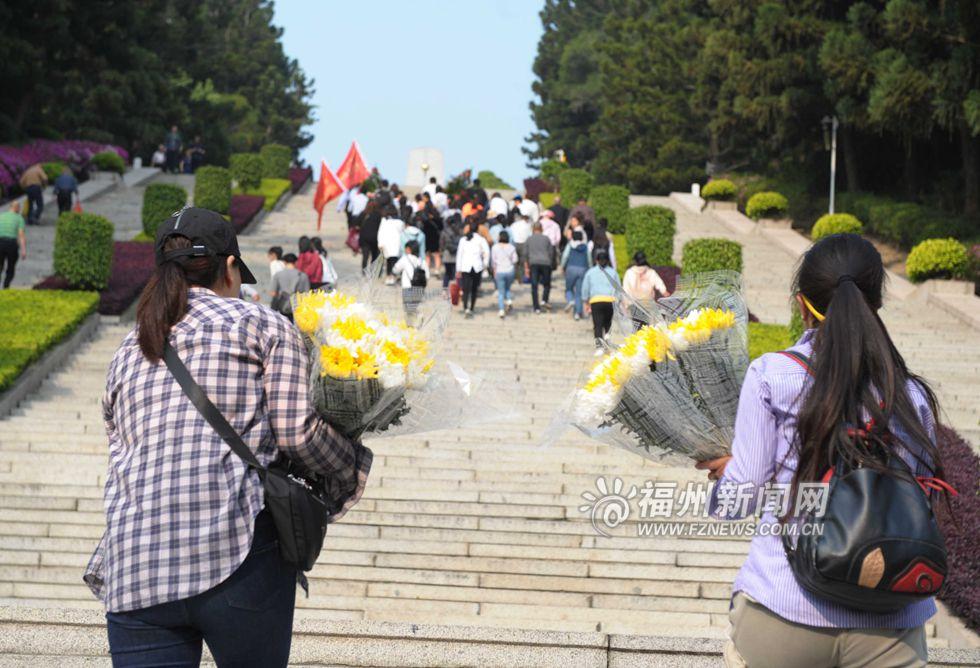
247, 620
503, 279
573, 287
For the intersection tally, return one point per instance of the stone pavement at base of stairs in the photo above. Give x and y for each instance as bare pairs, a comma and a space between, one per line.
476, 529
119, 200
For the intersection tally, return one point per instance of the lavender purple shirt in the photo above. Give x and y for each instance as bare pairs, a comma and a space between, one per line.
764, 429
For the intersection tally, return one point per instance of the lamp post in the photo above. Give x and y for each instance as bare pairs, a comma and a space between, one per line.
425, 173
830, 124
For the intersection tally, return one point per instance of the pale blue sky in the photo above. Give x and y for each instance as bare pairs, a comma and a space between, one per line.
401, 74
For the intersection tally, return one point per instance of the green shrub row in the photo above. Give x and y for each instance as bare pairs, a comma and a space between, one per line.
835, 223
271, 189
109, 161
766, 204
904, 223
212, 188
651, 229
83, 250
35, 320
576, 184
611, 203
937, 258
546, 200
718, 190
160, 200
490, 181
766, 338
52, 169
710, 254
246, 170
276, 159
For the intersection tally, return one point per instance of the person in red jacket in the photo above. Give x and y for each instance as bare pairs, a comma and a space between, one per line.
309, 262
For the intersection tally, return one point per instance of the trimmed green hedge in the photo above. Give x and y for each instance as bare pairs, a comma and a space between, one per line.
490, 181
651, 229
718, 190
937, 258
83, 250
160, 200
576, 184
621, 250
35, 320
765, 338
52, 169
766, 204
611, 203
904, 223
276, 159
711, 254
835, 223
546, 200
246, 170
109, 161
212, 188
271, 189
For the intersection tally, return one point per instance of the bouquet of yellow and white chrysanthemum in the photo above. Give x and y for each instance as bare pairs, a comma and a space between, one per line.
363, 362
671, 387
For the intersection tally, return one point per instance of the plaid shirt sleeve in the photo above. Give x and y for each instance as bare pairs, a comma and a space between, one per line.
299, 432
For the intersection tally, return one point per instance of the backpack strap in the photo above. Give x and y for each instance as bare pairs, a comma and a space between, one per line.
799, 358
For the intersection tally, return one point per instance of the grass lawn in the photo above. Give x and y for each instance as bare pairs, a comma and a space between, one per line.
622, 255
271, 189
765, 338
35, 320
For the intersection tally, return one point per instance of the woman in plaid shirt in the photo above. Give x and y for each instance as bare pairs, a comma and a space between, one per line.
188, 554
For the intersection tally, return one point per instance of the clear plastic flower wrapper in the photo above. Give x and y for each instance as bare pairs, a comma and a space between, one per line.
374, 374
669, 392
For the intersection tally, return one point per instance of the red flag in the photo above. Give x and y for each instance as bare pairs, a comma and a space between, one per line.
327, 188
353, 170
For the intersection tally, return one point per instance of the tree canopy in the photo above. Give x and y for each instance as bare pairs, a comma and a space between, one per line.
124, 72
655, 94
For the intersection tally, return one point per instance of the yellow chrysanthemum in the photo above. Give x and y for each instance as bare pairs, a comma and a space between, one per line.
315, 299
698, 326
336, 362
352, 328
307, 318
656, 344
338, 299
365, 365
395, 354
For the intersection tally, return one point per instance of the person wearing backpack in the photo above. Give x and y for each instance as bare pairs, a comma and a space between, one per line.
449, 243
840, 411
414, 274
285, 284
599, 291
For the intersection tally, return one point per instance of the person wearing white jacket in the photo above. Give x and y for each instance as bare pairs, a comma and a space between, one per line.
390, 242
472, 258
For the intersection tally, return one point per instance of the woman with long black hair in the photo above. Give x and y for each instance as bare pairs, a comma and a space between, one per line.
472, 258
854, 403
190, 553
370, 222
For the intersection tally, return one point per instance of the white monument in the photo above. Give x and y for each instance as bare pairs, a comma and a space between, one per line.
423, 164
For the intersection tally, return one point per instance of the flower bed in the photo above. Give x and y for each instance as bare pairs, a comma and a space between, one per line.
15, 159
298, 176
270, 190
962, 468
132, 266
243, 209
35, 321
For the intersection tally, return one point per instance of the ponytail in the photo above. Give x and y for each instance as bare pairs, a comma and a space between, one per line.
164, 299
858, 376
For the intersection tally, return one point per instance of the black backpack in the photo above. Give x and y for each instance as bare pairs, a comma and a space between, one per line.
419, 279
879, 547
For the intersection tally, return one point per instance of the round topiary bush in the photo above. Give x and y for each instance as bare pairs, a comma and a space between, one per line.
937, 258
651, 229
52, 169
109, 161
83, 250
835, 223
611, 203
766, 204
246, 170
276, 159
700, 255
160, 200
719, 190
576, 184
212, 188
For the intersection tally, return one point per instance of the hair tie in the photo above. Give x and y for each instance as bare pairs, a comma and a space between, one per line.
843, 278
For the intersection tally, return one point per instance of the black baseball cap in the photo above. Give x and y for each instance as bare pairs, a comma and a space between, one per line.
210, 233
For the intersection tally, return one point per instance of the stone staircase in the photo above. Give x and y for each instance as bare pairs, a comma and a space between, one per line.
468, 548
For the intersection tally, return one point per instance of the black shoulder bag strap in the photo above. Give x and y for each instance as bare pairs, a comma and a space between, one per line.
208, 410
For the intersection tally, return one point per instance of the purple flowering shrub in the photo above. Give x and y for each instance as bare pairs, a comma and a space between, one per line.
15, 159
298, 176
243, 209
132, 266
534, 187
962, 468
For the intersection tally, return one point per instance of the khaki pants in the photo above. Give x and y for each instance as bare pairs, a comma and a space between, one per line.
761, 638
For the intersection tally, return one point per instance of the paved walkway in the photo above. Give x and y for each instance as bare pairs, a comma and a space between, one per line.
465, 527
